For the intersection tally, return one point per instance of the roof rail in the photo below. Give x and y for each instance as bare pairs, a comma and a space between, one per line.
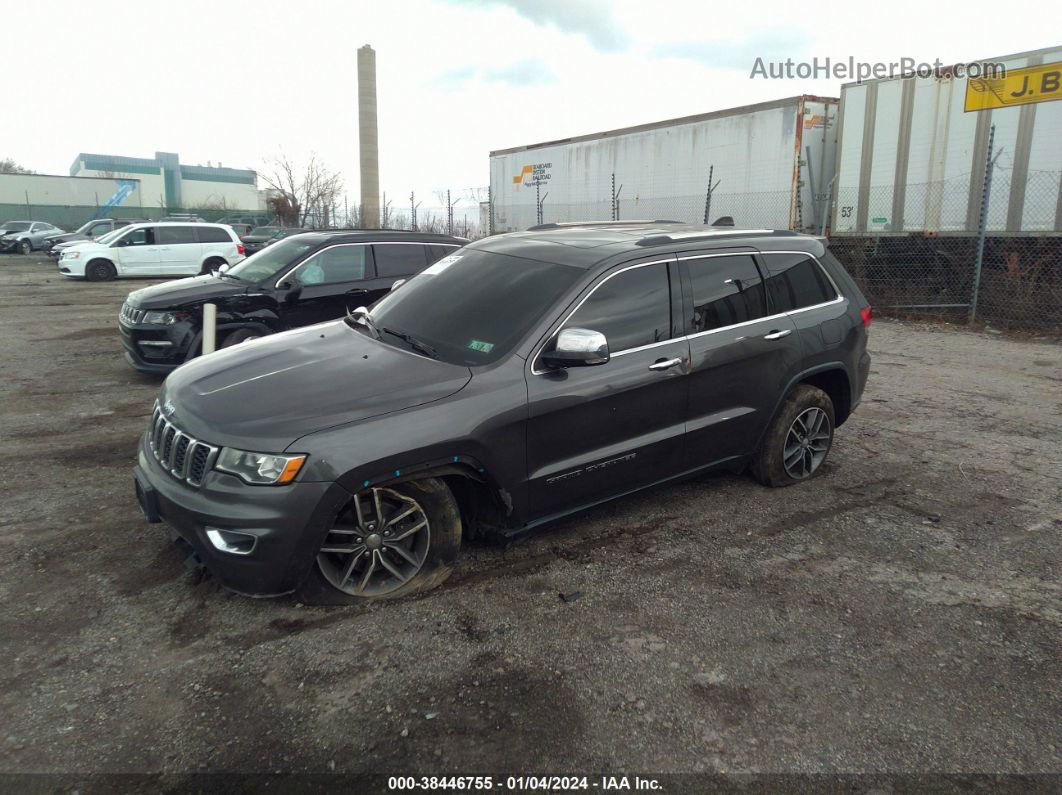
576, 224
656, 240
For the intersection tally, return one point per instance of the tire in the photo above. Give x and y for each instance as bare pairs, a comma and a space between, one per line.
241, 335
356, 563
25, 247
806, 408
100, 270
211, 264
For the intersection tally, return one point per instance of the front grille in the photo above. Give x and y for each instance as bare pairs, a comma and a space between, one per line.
183, 456
130, 315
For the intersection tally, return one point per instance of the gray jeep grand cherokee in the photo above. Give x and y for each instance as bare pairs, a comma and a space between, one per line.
521, 379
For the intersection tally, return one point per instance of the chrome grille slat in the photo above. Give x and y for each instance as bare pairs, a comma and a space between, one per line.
182, 455
129, 315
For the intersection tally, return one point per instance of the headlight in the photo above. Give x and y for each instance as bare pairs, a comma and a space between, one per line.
163, 318
71, 254
261, 469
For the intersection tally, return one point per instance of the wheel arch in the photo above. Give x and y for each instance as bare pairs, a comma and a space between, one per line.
827, 376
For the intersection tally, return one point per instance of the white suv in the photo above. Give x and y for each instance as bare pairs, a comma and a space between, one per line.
153, 249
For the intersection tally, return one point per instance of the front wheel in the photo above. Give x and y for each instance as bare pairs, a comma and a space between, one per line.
26, 247
387, 542
798, 440
99, 270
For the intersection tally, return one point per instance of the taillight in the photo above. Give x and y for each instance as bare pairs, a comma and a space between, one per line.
243, 252
867, 313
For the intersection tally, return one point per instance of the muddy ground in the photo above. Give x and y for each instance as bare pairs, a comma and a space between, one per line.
900, 613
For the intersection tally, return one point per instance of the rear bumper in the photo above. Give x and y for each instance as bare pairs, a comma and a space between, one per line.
287, 522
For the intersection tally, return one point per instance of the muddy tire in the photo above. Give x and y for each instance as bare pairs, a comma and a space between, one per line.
100, 270
798, 440
386, 543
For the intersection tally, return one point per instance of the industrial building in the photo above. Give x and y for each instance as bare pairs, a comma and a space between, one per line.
165, 181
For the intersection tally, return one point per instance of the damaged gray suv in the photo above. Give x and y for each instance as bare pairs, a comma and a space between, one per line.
521, 379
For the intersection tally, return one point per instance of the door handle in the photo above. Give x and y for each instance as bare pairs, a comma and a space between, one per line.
664, 364
777, 335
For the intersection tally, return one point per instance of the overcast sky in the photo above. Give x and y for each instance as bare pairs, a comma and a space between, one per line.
240, 82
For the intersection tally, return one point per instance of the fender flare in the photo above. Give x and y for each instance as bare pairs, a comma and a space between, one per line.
796, 379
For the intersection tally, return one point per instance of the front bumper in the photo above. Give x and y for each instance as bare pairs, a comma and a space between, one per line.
288, 523
8, 245
156, 349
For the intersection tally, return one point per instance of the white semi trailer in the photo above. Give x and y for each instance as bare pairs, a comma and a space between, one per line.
770, 164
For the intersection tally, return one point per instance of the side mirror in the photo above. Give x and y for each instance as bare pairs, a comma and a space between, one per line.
397, 284
577, 347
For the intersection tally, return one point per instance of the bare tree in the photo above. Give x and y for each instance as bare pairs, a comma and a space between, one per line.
305, 196
9, 166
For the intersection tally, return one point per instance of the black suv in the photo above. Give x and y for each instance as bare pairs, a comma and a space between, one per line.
304, 279
520, 379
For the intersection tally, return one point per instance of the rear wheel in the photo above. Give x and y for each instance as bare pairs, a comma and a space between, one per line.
387, 542
100, 270
26, 247
798, 440
211, 265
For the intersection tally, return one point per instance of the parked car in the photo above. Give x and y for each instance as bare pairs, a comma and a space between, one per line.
255, 241
153, 249
240, 229
299, 281
25, 236
286, 231
91, 230
521, 379
250, 219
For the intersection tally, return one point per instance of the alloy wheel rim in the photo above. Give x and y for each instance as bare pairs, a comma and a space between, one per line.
807, 443
378, 542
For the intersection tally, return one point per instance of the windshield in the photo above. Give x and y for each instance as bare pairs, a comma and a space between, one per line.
270, 260
474, 306
264, 231
15, 226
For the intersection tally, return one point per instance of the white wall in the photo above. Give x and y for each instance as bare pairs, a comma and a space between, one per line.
64, 191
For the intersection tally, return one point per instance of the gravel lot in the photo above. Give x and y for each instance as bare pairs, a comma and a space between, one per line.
900, 613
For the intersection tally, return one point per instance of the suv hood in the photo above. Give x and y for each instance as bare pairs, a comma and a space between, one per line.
181, 292
265, 394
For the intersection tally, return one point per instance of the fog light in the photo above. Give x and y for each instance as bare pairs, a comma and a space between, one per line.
232, 542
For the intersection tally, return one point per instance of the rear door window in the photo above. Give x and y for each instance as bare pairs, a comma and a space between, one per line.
398, 259
632, 308
796, 281
726, 291
436, 253
175, 235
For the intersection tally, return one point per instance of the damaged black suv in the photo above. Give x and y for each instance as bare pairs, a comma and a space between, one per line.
303, 279
518, 380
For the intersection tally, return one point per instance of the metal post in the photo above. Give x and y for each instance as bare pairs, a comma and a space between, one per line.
827, 207
613, 195
615, 202
982, 221
814, 197
210, 320
490, 210
538, 203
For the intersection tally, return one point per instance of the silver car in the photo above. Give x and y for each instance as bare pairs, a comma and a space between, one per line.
25, 236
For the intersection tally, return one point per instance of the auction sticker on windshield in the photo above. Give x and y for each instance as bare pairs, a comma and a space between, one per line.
482, 347
443, 264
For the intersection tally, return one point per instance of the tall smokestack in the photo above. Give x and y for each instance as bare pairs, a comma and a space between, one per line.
368, 139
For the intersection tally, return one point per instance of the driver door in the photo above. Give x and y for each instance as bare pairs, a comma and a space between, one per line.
138, 253
597, 431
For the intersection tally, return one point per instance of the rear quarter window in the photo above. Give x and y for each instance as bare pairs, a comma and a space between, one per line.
796, 281
212, 234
